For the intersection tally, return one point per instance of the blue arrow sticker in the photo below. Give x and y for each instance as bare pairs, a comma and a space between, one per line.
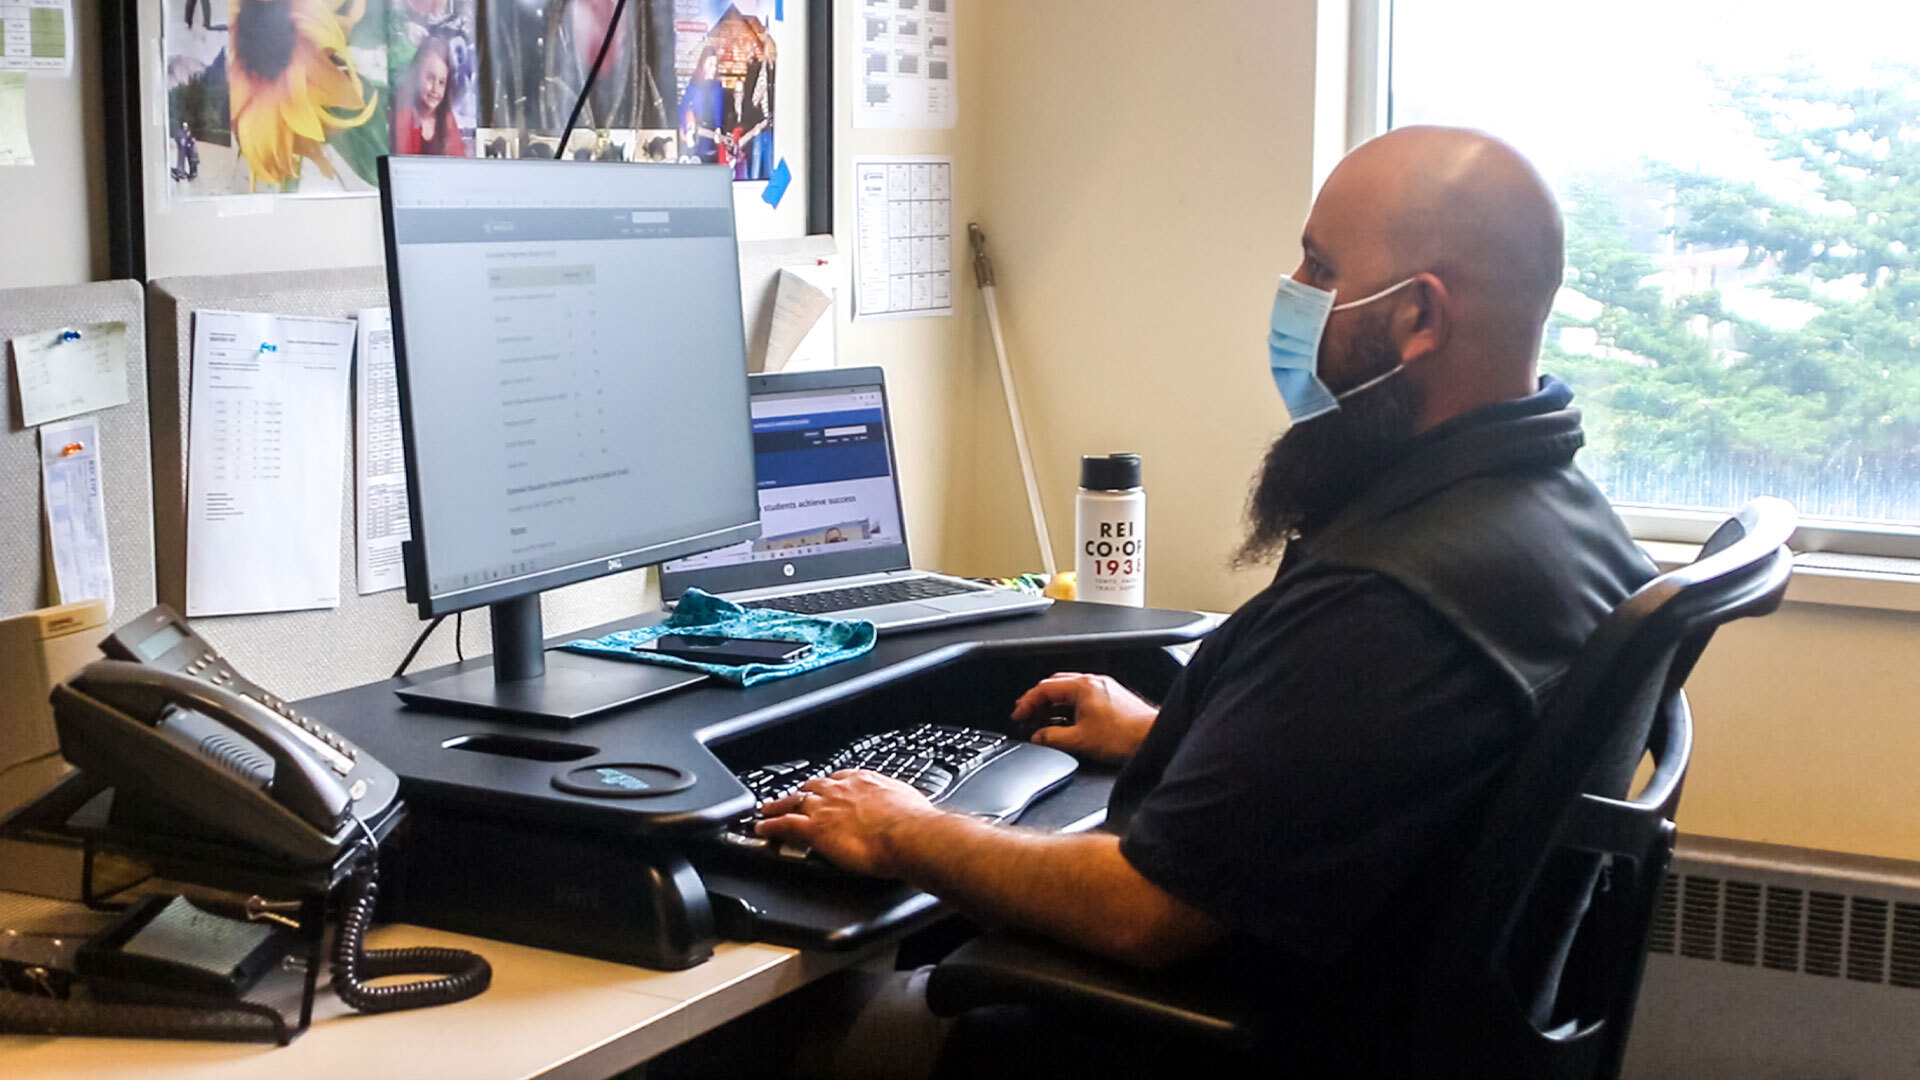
777, 184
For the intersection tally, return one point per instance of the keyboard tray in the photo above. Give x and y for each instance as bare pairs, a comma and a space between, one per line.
763, 900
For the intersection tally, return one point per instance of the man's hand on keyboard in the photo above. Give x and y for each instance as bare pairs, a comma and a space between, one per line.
1089, 716
848, 818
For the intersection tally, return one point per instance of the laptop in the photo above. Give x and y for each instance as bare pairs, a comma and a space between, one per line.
833, 539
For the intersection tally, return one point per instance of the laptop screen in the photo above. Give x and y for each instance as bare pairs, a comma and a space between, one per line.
828, 501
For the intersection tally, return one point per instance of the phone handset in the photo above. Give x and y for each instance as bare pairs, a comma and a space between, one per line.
194, 747
183, 737
301, 782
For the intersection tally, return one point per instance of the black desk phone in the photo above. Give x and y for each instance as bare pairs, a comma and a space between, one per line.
169, 722
192, 748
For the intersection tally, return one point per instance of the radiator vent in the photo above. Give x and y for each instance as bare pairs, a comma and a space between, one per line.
1826, 929
1784, 911
1665, 918
1811, 931
1740, 923
1905, 967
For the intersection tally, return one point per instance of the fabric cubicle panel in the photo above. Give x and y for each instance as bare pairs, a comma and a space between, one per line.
300, 653
25, 580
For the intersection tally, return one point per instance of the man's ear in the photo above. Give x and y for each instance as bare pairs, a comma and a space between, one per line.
1424, 320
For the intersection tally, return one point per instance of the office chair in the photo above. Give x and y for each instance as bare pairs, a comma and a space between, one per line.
1534, 965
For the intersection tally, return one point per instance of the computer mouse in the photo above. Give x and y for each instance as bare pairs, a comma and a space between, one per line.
1057, 716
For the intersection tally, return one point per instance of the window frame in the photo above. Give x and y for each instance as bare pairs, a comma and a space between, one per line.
1369, 89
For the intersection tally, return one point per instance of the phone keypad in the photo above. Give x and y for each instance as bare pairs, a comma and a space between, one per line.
337, 752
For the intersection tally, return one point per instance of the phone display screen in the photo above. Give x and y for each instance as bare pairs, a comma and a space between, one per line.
160, 641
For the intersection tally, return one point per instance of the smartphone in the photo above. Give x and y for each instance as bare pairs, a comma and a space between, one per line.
708, 649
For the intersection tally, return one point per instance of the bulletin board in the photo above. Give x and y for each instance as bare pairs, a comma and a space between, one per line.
242, 134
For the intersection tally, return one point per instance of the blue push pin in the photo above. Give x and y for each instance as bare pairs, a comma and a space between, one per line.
69, 335
267, 346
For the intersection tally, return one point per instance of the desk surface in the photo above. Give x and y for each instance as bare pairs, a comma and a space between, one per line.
547, 1014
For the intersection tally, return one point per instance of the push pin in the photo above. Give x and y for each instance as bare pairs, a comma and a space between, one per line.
71, 449
268, 346
69, 335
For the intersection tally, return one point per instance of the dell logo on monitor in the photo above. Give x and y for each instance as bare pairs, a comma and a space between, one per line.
613, 564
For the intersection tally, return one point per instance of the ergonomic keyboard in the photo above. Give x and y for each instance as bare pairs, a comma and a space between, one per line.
965, 770
859, 596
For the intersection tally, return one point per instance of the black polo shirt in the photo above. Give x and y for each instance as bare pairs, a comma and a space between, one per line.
1316, 771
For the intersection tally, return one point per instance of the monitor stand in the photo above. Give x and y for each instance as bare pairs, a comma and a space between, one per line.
526, 683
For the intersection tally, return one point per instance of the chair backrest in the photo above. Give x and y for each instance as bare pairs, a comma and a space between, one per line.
1535, 965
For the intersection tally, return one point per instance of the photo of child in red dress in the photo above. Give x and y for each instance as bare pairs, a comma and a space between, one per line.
423, 122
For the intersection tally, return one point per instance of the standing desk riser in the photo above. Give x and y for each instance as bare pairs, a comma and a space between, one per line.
494, 848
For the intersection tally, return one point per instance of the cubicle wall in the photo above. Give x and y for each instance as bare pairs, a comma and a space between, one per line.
298, 653
25, 580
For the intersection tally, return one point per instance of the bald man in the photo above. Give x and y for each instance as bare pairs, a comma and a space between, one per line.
1302, 800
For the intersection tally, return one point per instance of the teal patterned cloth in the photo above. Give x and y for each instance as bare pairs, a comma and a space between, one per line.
702, 613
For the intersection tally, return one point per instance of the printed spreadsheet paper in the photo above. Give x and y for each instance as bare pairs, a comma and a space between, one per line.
380, 467
37, 36
903, 254
267, 431
907, 65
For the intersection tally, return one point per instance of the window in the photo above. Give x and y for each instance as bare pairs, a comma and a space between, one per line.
1741, 185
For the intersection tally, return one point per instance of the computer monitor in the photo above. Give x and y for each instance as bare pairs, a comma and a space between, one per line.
573, 400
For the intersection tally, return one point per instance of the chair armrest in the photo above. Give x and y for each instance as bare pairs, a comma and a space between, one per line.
1004, 968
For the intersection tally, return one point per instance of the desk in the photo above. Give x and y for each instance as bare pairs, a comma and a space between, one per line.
547, 1014
554, 1014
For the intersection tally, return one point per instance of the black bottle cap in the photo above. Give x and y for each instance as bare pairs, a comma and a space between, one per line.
1109, 472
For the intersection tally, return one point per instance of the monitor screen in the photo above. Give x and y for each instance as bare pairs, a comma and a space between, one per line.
572, 370
825, 478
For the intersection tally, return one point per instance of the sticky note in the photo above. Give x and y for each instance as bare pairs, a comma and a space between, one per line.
777, 184
70, 370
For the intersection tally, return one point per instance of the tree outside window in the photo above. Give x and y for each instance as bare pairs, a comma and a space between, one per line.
1741, 184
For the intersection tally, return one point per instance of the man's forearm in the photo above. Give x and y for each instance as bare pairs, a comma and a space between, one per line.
1077, 888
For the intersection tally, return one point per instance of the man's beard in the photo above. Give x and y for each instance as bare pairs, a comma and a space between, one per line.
1316, 468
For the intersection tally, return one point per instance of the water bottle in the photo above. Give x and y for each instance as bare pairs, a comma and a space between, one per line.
1110, 531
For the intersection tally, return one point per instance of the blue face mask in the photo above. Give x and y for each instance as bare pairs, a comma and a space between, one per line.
1300, 314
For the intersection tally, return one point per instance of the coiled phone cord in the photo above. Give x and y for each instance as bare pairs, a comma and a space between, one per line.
462, 974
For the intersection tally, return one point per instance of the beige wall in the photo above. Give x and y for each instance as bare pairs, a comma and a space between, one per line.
53, 213
1808, 732
1147, 168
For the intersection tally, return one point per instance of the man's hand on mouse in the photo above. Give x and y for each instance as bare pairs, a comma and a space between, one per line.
849, 818
1090, 716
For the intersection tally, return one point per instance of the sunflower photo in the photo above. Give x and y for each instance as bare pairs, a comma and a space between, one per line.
284, 97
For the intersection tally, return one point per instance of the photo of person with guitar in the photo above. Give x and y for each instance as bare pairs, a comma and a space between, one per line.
749, 144
702, 110
726, 113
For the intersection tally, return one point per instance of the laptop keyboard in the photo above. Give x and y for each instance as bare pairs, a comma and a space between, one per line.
859, 596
